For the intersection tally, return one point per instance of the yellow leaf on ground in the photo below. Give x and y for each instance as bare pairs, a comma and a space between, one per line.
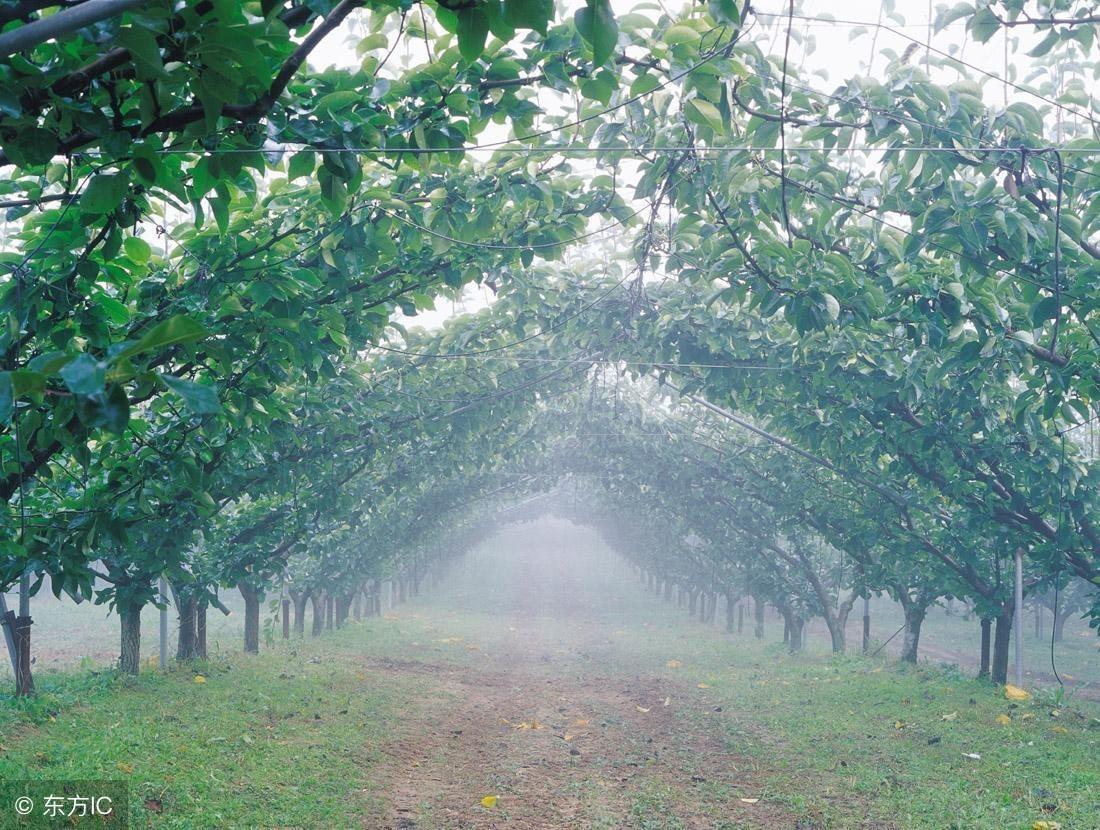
199, 678
567, 737
1046, 825
1003, 720
673, 664
703, 685
1015, 692
900, 724
490, 801
641, 708
126, 768
749, 800
1061, 730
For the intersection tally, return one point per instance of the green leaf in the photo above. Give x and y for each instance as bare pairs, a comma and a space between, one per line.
528, 14
983, 25
597, 26
704, 113
679, 34
108, 410
104, 193
84, 375
144, 51
172, 332
200, 399
137, 249
725, 11
473, 29
301, 164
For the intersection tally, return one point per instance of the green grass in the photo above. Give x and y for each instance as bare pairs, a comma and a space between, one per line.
281, 739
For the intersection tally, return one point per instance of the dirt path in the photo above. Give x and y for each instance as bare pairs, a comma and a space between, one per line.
564, 743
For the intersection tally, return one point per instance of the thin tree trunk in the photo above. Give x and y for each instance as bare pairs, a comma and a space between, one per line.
758, 608
251, 617
187, 605
1002, 635
299, 600
914, 619
318, 606
129, 659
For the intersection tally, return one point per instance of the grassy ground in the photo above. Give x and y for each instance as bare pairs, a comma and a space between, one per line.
407, 721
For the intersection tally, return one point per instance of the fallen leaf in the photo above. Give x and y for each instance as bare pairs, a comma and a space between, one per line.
1046, 825
1061, 730
1015, 692
581, 722
567, 737
949, 716
124, 767
199, 678
703, 685
1003, 720
490, 801
748, 800
667, 702
641, 709
974, 756
673, 664
900, 724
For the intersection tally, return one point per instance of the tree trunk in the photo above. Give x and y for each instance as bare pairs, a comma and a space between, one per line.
357, 606
983, 662
1060, 624
318, 605
284, 608
914, 619
836, 632
668, 590
328, 610
693, 596
1002, 634
187, 605
758, 608
200, 629
251, 617
730, 604
129, 659
21, 635
740, 618
299, 600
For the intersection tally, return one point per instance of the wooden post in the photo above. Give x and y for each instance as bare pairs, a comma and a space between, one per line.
1019, 619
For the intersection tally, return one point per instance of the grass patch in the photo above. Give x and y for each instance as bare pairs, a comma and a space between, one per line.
284, 739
